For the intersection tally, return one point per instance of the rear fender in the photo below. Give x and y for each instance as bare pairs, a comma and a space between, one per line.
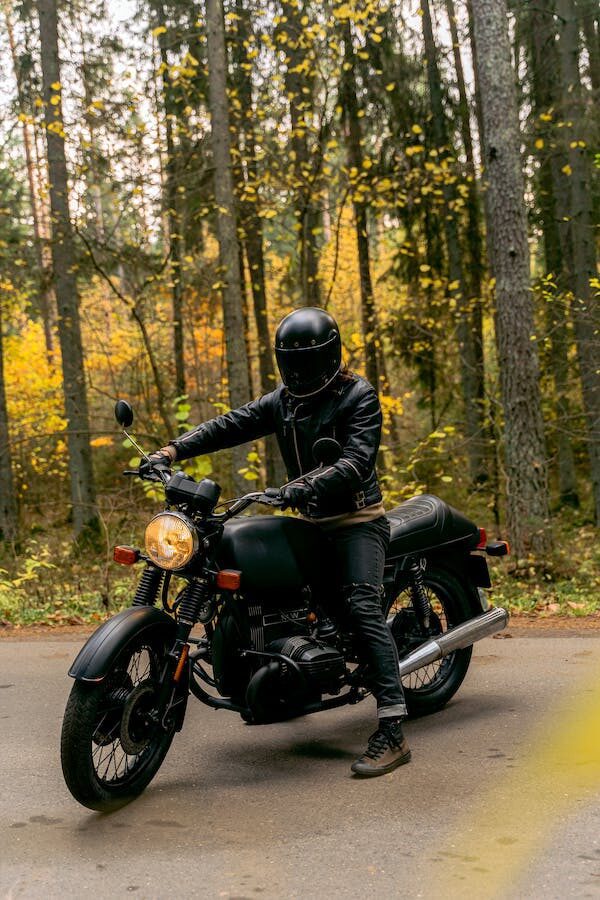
470, 569
97, 655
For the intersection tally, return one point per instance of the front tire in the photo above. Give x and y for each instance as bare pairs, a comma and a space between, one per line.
111, 748
429, 689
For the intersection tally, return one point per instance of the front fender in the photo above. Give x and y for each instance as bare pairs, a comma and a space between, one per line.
94, 660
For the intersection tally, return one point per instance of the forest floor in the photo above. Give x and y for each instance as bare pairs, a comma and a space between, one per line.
49, 583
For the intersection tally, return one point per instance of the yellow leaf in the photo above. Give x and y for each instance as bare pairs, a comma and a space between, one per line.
55, 85
416, 129
539, 143
342, 12
567, 170
390, 87
160, 29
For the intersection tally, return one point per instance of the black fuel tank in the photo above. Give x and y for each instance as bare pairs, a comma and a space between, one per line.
274, 552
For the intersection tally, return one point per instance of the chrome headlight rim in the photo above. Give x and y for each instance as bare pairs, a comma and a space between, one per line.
167, 513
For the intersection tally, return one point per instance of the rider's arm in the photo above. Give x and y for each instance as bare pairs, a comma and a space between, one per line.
359, 453
248, 423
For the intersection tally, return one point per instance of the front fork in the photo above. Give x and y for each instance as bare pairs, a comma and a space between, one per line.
197, 604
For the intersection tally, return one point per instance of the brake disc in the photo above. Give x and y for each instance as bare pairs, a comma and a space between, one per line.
137, 728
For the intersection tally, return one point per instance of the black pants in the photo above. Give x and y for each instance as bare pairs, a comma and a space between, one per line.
360, 550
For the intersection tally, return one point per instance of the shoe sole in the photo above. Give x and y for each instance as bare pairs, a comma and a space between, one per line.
373, 772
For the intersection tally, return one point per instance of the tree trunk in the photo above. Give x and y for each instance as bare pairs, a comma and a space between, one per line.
307, 216
585, 311
590, 20
469, 325
252, 233
544, 78
42, 250
233, 315
352, 133
8, 506
525, 455
171, 201
83, 497
474, 311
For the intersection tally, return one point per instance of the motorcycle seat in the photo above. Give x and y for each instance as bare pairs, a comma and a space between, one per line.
425, 523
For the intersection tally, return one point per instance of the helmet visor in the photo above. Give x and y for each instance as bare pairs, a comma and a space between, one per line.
307, 370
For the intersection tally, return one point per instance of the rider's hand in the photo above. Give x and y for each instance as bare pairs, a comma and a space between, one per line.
158, 460
296, 496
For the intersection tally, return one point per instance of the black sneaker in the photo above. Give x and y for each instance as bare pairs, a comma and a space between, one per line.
387, 750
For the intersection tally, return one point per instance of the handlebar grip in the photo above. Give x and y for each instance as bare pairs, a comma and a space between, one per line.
131, 472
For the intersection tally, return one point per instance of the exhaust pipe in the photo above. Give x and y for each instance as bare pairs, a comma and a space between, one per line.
458, 638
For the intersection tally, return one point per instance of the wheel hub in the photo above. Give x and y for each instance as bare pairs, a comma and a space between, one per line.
137, 726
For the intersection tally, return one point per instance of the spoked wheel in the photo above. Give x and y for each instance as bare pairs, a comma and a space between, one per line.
431, 687
112, 744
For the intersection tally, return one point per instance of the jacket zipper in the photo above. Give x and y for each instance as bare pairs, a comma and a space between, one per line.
293, 421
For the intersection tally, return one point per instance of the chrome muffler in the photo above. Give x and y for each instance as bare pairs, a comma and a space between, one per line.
458, 638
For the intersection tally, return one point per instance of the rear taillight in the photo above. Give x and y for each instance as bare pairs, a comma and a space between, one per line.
482, 539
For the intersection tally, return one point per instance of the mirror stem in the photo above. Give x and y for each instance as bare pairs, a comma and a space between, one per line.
136, 445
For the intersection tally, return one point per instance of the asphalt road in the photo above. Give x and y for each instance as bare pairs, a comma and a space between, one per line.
502, 798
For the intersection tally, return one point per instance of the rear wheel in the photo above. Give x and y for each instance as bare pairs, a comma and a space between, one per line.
111, 743
431, 687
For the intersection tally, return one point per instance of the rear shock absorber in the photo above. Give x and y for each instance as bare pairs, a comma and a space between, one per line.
197, 603
148, 587
419, 594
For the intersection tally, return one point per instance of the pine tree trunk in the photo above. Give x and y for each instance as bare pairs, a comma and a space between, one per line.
469, 326
252, 234
233, 315
9, 522
525, 455
83, 497
307, 216
42, 251
585, 307
544, 78
353, 137
590, 21
171, 202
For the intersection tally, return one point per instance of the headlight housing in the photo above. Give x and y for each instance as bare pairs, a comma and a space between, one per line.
171, 540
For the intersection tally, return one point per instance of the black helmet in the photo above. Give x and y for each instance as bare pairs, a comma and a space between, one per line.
308, 348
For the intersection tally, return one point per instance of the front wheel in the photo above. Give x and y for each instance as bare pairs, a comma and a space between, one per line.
112, 744
431, 687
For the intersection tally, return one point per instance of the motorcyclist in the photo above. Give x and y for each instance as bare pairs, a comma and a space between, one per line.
318, 398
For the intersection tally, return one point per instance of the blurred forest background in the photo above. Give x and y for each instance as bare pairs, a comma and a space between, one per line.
176, 175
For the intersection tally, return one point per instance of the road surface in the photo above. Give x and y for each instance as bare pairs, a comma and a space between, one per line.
502, 798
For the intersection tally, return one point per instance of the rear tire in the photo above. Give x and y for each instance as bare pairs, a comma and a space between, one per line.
431, 687
110, 749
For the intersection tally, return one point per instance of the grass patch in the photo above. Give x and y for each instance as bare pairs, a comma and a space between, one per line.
51, 582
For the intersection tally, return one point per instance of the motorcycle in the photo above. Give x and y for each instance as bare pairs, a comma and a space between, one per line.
255, 627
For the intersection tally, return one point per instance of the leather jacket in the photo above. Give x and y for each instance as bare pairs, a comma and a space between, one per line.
348, 411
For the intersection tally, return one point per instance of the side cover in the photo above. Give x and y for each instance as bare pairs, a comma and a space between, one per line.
95, 658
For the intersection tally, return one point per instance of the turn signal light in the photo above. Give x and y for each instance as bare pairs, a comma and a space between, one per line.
229, 579
126, 556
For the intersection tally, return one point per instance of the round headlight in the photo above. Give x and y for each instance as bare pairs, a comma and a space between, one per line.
171, 540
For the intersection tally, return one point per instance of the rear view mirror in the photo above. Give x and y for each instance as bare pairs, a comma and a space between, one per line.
123, 413
326, 451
